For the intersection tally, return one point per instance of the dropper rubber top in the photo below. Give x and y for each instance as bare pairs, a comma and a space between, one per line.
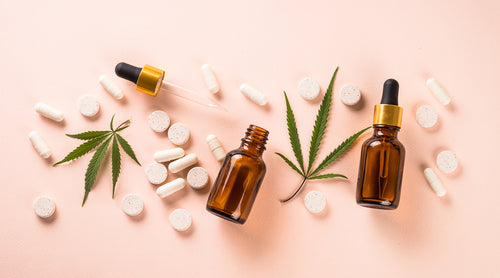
388, 112
390, 93
127, 71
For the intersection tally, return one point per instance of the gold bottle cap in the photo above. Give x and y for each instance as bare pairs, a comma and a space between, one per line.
388, 114
150, 80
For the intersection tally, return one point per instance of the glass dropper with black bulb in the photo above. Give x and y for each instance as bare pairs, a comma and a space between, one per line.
149, 80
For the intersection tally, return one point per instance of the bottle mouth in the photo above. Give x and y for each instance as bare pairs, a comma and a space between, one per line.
256, 135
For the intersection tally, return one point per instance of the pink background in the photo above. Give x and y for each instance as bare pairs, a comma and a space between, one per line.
54, 51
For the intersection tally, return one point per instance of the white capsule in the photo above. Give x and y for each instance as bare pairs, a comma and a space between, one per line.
167, 155
253, 94
39, 144
44, 207
315, 201
350, 94
309, 88
197, 177
111, 87
438, 91
434, 182
216, 148
159, 121
210, 80
132, 204
88, 105
427, 116
170, 187
447, 161
183, 163
178, 134
180, 219
49, 112
156, 173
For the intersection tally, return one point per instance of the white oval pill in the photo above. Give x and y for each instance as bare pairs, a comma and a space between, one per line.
159, 121
88, 105
434, 182
167, 155
216, 148
210, 80
197, 177
253, 94
49, 112
315, 201
180, 219
183, 163
39, 144
438, 91
132, 204
156, 173
309, 88
170, 187
427, 116
178, 134
44, 206
447, 161
111, 87
350, 94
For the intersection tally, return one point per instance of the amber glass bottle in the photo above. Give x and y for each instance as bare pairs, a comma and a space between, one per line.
239, 179
382, 155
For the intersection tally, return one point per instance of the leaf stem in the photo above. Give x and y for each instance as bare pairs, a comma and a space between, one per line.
127, 122
296, 192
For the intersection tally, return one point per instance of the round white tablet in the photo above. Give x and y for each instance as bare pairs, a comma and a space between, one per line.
178, 134
159, 121
309, 88
427, 116
447, 161
180, 219
315, 201
350, 94
132, 204
44, 206
156, 173
88, 105
197, 177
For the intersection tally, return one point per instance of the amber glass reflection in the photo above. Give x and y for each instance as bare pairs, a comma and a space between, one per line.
381, 169
240, 177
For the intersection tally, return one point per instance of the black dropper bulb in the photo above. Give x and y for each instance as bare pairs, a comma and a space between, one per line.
390, 94
128, 72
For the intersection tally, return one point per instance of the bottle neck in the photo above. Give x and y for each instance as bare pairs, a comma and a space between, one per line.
254, 141
385, 130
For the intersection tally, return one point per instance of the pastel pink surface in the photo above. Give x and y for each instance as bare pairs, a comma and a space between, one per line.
55, 52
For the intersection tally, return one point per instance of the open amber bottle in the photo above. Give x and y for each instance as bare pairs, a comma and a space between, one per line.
240, 177
382, 155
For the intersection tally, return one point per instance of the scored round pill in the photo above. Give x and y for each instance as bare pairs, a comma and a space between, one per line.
88, 105
447, 161
253, 94
159, 121
197, 177
39, 144
178, 134
111, 87
183, 163
315, 201
49, 112
170, 187
44, 206
350, 94
216, 147
210, 79
180, 219
156, 173
132, 204
167, 155
309, 88
438, 91
427, 116
434, 182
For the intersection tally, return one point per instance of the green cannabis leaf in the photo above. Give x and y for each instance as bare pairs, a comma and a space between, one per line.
101, 140
316, 138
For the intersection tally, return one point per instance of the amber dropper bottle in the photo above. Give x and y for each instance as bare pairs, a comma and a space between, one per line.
240, 177
382, 155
